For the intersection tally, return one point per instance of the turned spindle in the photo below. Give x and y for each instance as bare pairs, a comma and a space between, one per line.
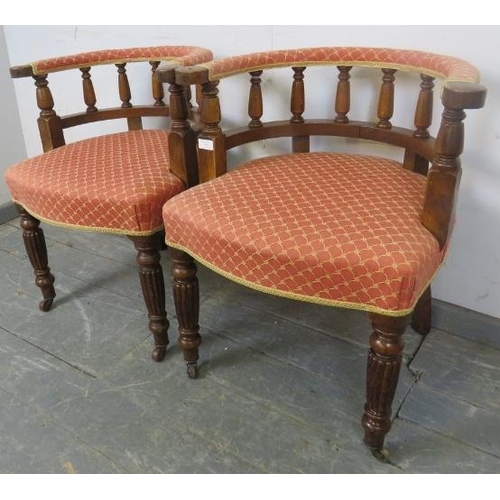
297, 102
385, 108
300, 143
444, 175
88, 90
255, 107
124, 86
44, 98
157, 86
423, 111
134, 123
343, 96
49, 123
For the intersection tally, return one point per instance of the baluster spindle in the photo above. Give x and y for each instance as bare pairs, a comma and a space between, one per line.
123, 86
423, 112
135, 122
88, 90
343, 97
49, 123
297, 104
385, 108
157, 87
44, 98
300, 144
255, 106
444, 174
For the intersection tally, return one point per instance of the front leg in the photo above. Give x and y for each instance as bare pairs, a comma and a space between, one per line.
187, 307
384, 363
36, 249
153, 290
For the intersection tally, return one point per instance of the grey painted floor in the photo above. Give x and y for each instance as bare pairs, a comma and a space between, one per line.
281, 387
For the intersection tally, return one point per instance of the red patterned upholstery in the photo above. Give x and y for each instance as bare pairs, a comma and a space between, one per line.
114, 183
183, 55
329, 228
448, 68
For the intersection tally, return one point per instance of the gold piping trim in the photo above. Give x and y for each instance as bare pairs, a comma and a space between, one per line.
89, 229
368, 64
305, 298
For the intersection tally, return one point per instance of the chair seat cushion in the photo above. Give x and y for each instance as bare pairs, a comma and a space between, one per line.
335, 229
114, 183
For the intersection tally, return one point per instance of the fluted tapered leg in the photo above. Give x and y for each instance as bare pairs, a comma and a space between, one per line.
187, 306
421, 318
384, 363
34, 242
153, 290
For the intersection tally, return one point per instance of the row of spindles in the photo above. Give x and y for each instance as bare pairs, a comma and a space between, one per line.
385, 108
46, 103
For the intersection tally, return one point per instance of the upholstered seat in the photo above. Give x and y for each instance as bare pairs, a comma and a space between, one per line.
329, 228
114, 183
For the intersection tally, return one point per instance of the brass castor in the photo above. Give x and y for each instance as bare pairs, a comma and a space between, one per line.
192, 370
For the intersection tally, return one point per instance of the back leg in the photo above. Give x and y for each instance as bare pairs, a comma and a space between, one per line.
421, 318
34, 242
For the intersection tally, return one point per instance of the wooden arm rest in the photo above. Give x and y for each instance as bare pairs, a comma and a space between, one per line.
460, 95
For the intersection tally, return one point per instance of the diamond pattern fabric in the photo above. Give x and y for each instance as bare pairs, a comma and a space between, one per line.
329, 228
448, 68
115, 183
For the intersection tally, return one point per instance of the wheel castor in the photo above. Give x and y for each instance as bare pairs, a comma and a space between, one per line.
158, 353
45, 305
192, 370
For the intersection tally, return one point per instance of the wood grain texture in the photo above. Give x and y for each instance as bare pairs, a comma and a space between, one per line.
153, 291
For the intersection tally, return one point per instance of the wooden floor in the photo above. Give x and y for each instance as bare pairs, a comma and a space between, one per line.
281, 388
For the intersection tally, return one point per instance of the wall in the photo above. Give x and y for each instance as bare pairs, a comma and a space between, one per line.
12, 147
471, 276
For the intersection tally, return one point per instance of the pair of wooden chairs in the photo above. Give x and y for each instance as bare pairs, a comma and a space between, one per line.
346, 230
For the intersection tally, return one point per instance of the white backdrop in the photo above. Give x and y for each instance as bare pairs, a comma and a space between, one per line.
11, 137
471, 276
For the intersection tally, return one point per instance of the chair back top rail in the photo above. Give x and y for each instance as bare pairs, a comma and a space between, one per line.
181, 55
441, 66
